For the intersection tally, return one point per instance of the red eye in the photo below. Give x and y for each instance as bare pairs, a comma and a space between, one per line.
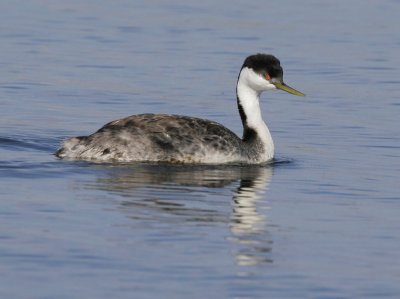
267, 77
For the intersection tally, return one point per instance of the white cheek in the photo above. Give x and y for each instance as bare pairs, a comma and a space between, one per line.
266, 85
262, 85
256, 81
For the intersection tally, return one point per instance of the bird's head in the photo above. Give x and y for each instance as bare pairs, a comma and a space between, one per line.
263, 72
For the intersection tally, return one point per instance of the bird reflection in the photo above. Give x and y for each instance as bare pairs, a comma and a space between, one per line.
196, 194
248, 225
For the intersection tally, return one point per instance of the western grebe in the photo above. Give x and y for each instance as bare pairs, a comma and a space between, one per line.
184, 139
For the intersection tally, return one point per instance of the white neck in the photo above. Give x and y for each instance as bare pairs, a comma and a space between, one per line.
249, 100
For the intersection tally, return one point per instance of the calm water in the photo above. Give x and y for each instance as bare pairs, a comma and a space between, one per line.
322, 222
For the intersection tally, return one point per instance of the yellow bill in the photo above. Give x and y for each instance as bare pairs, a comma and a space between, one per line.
287, 88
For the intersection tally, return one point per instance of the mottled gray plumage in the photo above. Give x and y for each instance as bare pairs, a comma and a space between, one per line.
159, 137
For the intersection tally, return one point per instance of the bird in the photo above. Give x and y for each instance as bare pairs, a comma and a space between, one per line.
182, 139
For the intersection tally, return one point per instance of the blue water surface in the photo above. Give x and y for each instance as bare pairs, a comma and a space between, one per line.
321, 222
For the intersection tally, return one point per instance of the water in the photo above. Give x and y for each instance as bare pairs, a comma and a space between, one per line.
322, 222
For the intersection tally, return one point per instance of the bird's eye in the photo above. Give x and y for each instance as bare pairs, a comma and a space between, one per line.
267, 77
